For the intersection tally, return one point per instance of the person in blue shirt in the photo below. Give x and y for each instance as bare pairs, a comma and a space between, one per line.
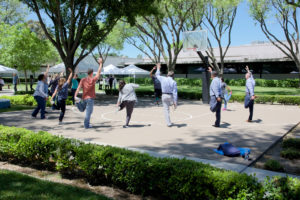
169, 92
215, 93
250, 96
157, 86
62, 95
15, 81
74, 87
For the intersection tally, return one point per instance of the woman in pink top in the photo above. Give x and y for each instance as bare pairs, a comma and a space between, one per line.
88, 96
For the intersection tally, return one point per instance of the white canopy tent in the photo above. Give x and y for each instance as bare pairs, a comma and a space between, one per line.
7, 70
82, 67
111, 70
133, 70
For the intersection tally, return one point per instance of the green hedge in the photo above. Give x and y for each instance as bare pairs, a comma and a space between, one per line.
292, 83
165, 178
281, 99
168, 178
28, 100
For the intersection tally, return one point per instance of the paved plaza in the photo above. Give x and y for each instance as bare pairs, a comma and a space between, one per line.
191, 136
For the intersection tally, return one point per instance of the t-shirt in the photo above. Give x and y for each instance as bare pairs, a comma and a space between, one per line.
15, 80
1, 82
62, 94
74, 84
88, 86
156, 83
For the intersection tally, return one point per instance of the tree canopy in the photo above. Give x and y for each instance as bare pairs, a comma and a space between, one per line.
75, 23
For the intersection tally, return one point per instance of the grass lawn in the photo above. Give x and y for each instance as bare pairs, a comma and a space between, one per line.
19, 187
16, 108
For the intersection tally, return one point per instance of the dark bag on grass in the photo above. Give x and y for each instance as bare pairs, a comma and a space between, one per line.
229, 150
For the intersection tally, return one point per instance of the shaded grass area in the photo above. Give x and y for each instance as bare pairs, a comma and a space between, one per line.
19, 187
16, 108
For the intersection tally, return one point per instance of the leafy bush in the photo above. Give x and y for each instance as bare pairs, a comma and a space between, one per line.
167, 178
29, 100
293, 83
273, 165
287, 100
290, 153
291, 143
282, 188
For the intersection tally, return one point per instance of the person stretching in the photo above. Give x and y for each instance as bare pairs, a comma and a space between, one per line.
88, 96
225, 94
127, 98
249, 98
62, 95
157, 86
169, 92
40, 96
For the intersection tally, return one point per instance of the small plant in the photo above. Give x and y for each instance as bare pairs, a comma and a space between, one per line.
290, 153
273, 165
291, 143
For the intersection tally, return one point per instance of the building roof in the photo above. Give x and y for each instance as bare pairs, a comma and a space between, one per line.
254, 52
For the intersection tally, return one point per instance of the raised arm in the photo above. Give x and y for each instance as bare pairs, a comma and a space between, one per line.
47, 71
100, 61
78, 89
151, 72
70, 76
157, 74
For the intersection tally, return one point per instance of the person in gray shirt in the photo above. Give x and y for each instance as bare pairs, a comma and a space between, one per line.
127, 99
15, 81
215, 92
250, 96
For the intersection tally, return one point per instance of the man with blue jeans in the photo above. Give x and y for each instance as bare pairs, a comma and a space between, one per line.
15, 81
88, 96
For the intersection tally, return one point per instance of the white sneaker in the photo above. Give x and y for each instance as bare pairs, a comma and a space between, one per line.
60, 123
125, 126
32, 117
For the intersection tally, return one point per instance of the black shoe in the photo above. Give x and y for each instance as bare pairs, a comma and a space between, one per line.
217, 126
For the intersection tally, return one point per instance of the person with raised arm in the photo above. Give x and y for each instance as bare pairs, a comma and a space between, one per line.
169, 92
89, 94
157, 86
250, 96
62, 95
74, 86
127, 99
215, 93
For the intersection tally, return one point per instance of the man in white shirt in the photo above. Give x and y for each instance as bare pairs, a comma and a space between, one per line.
169, 92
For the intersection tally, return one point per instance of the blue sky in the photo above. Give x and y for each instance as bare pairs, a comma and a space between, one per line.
244, 31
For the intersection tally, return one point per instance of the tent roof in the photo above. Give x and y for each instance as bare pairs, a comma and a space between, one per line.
111, 70
4, 69
132, 69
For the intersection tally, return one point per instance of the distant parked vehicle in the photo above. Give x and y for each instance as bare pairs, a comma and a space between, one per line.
200, 69
294, 72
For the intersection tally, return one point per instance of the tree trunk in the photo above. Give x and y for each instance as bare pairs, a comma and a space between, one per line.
298, 66
25, 73
69, 64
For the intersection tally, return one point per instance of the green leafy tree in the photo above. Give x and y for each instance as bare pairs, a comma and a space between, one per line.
160, 35
219, 16
12, 11
113, 43
264, 11
75, 24
22, 48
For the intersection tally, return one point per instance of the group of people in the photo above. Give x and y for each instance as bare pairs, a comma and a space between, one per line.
164, 87
109, 82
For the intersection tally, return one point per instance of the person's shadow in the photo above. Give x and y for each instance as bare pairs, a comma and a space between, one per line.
179, 125
225, 125
257, 121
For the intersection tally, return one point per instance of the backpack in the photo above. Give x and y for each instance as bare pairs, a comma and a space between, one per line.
229, 150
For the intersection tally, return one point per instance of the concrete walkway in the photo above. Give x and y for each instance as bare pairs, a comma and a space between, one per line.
192, 135
6, 92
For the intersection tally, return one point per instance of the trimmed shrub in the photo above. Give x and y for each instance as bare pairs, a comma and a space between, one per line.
29, 100
287, 100
282, 188
167, 178
273, 165
290, 153
291, 143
